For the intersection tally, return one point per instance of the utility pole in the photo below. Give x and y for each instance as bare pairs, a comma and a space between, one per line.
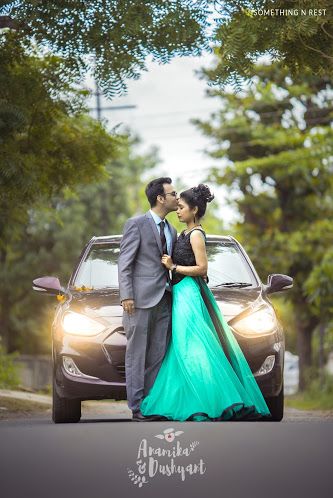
99, 109
8, 22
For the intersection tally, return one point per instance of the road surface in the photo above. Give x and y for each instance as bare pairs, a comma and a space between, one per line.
106, 454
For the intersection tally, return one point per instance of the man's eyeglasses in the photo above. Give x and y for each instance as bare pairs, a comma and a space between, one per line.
174, 194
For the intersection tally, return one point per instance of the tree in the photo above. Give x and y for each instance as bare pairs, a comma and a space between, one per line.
112, 37
248, 29
47, 143
319, 287
277, 145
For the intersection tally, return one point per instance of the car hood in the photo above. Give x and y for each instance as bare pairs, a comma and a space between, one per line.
105, 305
232, 302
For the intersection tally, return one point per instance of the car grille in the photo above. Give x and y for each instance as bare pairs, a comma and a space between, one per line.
121, 370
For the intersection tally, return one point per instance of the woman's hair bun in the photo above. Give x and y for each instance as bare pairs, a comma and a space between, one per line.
203, 192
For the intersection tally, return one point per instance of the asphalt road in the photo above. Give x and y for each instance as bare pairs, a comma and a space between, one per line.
105, 454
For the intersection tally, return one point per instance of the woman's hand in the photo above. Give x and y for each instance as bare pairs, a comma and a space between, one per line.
167, 261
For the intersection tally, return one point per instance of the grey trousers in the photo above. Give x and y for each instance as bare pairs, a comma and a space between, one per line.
148, 332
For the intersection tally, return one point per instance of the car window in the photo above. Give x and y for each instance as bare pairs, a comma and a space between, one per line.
225, 264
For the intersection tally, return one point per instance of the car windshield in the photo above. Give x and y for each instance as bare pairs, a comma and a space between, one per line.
226, 267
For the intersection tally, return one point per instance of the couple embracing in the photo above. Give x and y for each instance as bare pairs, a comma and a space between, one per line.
182, 361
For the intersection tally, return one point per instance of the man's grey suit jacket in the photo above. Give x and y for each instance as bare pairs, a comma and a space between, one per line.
141, 275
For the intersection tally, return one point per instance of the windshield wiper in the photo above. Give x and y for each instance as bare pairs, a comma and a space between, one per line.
233, 284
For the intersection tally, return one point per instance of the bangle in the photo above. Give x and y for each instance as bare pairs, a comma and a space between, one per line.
174, 268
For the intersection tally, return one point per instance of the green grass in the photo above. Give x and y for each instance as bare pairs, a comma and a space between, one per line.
307, 402
9, 376
317, 396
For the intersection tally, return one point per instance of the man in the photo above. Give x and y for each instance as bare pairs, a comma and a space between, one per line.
145, 291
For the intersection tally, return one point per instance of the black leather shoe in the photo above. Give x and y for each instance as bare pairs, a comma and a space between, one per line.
139, 417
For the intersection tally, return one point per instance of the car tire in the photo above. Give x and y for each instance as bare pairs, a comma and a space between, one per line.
63, 409
276, 406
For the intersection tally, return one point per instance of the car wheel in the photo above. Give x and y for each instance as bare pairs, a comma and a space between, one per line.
63, 409
276, 406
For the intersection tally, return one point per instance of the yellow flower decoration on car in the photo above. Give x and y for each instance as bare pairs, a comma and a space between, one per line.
61, 298
81, 288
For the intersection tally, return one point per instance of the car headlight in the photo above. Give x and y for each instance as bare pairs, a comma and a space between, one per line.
75, 323
262, 321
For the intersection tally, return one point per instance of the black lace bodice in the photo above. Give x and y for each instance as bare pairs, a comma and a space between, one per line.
183, 253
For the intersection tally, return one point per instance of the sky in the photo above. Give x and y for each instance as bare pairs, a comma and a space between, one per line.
166, 97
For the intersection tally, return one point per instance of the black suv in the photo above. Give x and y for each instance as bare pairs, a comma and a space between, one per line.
88, 339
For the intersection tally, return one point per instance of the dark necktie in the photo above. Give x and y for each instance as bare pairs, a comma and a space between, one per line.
163, 239
164, 248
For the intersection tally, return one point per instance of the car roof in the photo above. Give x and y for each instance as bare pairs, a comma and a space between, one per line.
110, 238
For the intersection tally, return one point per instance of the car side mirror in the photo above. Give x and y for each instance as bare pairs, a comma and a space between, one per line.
277, 282
48, 285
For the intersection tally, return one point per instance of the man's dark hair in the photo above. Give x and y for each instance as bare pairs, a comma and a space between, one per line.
155, 188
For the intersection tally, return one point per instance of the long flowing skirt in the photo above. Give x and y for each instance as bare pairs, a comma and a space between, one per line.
204, 374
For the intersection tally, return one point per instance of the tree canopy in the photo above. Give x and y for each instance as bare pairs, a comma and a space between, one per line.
47, 141
298, 34
112, 38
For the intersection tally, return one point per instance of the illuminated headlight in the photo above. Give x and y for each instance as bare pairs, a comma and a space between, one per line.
262, 321
75, 323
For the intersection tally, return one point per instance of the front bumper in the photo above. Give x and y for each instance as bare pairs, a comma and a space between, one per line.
72, 387
98, 362
101, 364
270, 384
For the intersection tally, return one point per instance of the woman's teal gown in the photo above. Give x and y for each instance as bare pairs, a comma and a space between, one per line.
204, 374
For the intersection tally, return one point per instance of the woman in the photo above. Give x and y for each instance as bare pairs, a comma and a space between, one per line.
204, 374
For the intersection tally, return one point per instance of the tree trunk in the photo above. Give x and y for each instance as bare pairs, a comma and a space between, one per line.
322, 328
5, 303
4, 321
305, 327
